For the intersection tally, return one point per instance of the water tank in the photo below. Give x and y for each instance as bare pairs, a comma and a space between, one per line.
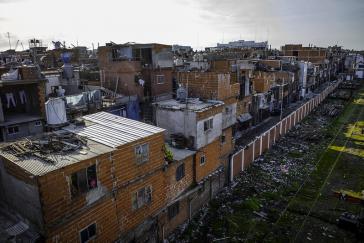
56, 112
67, 71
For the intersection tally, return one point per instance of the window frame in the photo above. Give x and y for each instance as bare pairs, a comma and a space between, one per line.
146, 200
143, 158
208, 124
173, 210
13, 132
157, 78
90, 238
81, 191
204, 159
178, 172
38, 124
223, 138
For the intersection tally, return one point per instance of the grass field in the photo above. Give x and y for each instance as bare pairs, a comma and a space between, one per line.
311, 215
287, 194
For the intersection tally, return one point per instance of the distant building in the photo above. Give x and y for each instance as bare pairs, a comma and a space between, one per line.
240, 44
315, 55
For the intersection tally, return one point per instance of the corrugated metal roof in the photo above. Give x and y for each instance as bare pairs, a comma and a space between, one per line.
38, 167
112, 130
197, 106
104, 133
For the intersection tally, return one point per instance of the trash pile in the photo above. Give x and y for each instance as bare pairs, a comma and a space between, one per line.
47, 144
330, 109
262, 192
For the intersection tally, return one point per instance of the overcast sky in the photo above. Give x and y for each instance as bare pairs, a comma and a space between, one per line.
198, 23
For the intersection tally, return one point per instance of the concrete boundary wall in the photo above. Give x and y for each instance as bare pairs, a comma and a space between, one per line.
245, 156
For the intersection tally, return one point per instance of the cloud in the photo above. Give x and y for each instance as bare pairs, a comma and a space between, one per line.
284, 21
10, 1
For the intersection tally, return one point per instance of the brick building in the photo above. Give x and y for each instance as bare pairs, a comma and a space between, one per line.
137, 69
316, 55
105, 183
198, 140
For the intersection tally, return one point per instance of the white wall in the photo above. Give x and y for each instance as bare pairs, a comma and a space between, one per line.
359, 74
206, 137
229, 118
176, 121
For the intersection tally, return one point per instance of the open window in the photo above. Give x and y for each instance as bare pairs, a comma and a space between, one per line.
13, 130
208, 124
141, 197
88, 233
83, 181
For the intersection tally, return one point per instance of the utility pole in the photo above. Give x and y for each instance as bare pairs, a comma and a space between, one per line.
9, 39
281, 86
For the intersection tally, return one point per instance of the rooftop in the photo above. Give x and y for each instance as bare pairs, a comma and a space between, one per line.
48, 152
112, 130
194, 105
180, 154
102, 133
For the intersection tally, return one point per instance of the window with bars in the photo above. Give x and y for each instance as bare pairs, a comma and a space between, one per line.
173, 210
180, 172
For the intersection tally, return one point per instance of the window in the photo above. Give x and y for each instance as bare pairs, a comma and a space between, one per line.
223, 138
202, 159
142, 153
141, 197
208, 125
88, 233
180, 172
83, 181
13, 130
38, 123
173, 210
160, 79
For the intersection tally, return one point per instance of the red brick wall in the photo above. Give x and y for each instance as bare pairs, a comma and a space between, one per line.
212, 154
103, 214
174, 187
118, 171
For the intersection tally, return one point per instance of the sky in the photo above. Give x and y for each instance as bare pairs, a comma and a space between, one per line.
198, 23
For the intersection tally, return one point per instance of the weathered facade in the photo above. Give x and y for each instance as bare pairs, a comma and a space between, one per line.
113, 187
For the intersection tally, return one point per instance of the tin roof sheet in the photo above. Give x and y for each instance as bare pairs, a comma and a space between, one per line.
112, 130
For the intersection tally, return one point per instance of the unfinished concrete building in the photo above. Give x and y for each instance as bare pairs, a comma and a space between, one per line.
22, 92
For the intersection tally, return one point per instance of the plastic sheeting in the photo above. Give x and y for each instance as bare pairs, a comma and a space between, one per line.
11, 75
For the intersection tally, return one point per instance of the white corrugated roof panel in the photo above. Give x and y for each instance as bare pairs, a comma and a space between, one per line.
112, 130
